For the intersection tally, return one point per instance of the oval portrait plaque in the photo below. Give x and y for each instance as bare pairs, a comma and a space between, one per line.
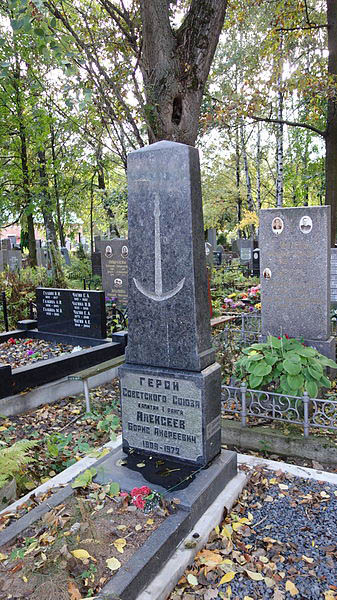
277, 225
306, 224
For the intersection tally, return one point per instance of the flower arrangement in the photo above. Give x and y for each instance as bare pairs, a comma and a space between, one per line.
143, 498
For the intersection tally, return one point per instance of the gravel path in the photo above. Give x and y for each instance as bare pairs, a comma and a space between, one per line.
279, 542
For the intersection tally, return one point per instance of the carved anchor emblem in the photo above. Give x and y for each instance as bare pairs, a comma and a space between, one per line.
158, 294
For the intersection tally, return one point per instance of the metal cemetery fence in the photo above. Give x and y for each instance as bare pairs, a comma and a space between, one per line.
246, 330
298, 410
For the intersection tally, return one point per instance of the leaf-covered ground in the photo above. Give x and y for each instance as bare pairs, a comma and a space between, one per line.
278, 543
76, 547
64, 433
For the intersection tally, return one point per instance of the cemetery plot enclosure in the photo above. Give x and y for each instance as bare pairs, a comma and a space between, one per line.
17, 380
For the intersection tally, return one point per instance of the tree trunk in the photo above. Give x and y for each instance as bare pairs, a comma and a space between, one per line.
246, 168
24, 162
56, 187
113, 230
238, 177
331, 130
279, 136
258, 167
175, 66
47, 212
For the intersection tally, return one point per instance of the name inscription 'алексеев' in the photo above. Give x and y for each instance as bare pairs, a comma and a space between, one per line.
162, 414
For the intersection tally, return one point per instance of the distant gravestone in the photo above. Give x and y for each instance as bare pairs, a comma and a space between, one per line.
217, 257
209, 255
256, 262
295, 274
333, 281
42, 256
170, 384
114, 264
65, 254
71, 312
211, 236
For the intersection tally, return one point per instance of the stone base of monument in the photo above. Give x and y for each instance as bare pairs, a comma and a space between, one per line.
171, 413
194, 490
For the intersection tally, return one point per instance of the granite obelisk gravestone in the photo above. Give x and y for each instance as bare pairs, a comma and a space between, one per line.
295, 274
170, 384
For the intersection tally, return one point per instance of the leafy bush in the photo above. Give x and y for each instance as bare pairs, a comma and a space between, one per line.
284, 365
79, 269
20, 291
13, 458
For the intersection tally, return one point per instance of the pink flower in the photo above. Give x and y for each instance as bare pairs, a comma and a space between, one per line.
124, 494
144, 490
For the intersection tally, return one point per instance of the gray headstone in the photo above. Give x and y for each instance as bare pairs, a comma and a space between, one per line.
295, 274
209, 255
333, 281
114, 264
65, 254
170, 383
211, 237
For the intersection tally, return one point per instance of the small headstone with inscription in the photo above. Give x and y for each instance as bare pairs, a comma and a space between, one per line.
114, 264
295, 274
170, 384
72, 312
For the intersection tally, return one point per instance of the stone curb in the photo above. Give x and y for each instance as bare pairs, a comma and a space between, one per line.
53, 391
257, 438
274, 465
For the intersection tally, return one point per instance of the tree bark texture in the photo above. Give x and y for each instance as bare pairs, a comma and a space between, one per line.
331, 130
24, 162
175, 66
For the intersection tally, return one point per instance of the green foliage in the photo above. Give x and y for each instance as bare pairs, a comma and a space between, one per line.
84, 479
284, 365
79, 269
20, 290
13, 458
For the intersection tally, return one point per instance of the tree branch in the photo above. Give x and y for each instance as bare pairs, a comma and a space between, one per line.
290, 123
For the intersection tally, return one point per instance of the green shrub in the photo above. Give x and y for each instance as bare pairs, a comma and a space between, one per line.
20, 290
284, 365
79, 269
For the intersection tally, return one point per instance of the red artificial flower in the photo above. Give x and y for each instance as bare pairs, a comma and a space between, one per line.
138, 501
286, 336
144, 490
279, 338
12, 341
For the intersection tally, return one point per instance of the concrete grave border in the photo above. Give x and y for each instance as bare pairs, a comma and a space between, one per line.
46, 371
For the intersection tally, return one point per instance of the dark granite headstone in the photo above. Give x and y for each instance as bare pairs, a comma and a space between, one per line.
256, 262
217, 258
96, 264
295, 274
333, 277
170, 383
72, 312
114, 264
